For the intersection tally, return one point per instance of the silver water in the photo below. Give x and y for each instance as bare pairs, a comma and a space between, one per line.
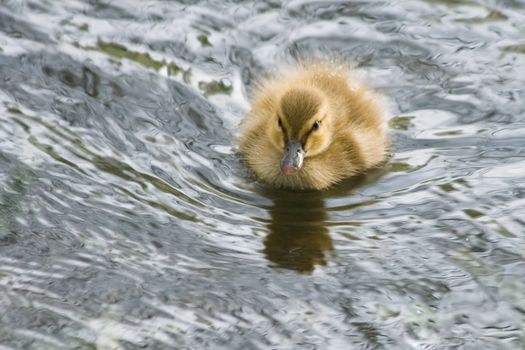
128, 221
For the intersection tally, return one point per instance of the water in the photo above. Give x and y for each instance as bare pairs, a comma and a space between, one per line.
127, 220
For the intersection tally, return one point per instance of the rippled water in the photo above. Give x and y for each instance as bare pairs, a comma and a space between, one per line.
128, 221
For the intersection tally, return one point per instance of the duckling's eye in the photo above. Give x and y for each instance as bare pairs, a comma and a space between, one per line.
280, 123
316, 125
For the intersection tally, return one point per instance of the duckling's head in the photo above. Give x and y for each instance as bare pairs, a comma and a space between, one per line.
302, 127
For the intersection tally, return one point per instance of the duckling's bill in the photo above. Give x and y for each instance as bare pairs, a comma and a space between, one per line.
293, 158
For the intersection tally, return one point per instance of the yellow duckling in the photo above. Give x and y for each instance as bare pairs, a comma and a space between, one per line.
313, 127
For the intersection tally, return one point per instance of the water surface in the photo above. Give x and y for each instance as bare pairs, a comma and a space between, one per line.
128, 221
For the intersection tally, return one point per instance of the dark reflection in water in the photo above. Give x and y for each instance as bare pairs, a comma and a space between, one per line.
298, 230
298, 237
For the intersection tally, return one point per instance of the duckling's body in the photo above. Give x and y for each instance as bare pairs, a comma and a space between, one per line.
313, 127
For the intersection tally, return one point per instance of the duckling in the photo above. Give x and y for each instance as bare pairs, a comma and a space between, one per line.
313, 127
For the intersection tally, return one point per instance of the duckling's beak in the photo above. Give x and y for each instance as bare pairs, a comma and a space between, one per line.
293, 158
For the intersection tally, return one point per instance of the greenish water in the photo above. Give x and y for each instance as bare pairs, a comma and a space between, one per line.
127, 220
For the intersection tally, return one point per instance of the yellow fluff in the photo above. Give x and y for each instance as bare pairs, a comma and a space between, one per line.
313, 127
